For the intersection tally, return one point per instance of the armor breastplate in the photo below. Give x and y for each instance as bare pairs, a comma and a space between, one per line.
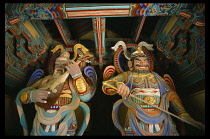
145, 86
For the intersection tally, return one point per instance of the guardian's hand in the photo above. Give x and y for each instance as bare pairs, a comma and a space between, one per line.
40, 95
123, 90
73, 68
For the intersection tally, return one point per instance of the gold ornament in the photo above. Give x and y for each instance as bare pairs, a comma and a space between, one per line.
150, 99
24, 97
81, 86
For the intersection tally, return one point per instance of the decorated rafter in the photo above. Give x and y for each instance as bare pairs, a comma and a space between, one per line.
140, 25
64, 31
99, 34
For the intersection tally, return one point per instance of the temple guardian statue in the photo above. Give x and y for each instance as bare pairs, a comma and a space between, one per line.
57, 96
146, 95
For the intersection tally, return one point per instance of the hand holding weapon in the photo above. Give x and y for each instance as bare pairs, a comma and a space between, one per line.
201, 126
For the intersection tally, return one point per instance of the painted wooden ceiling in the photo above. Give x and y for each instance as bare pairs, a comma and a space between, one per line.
116, 27
176, 30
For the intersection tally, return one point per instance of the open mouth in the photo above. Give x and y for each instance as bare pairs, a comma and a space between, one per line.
59, 69
142, 67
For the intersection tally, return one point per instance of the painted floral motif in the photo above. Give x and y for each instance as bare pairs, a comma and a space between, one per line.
155, 9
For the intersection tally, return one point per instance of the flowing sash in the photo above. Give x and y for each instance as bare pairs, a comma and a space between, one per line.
66, 113
21, 114
150, 117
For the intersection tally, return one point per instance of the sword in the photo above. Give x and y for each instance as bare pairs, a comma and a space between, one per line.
105, 83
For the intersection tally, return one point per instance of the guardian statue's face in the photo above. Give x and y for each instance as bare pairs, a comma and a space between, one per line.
141, 64
60, 64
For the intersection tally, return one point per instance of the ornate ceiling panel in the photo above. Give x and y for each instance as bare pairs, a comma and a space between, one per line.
32, 29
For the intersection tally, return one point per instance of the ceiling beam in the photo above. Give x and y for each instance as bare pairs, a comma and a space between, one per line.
64, 31
50, 11
140, 25
100, 11
99, 35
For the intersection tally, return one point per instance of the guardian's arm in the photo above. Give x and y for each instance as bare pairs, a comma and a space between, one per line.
176, 103
25, 95
82, 87
108, 85
29, 92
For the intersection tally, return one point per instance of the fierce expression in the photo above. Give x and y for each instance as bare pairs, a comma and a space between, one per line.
141, 64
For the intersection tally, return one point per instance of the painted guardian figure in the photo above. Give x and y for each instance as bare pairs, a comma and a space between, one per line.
56, 97
143, 90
